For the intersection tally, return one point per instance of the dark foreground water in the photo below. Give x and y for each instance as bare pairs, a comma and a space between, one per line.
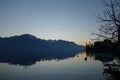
80, 67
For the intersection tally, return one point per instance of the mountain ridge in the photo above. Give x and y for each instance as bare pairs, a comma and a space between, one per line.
26, 49
29, 36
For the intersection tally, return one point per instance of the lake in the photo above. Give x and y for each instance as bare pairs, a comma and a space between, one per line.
82, 66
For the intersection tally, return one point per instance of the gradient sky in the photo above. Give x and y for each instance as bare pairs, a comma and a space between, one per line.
70, 20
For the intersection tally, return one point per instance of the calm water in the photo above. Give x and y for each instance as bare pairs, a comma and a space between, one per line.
72, 68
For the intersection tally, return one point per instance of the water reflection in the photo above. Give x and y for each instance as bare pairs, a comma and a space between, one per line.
72, 66
111, 64
69, 68
30, 58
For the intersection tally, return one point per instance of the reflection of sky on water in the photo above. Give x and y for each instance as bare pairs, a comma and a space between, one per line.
75, 68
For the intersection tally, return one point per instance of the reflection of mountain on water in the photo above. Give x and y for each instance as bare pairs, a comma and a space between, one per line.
111, 63
30, 58
27, 49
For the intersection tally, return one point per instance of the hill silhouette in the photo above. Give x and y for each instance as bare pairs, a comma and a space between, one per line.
26, 49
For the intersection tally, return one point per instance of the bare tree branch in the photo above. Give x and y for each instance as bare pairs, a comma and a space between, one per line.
109, 20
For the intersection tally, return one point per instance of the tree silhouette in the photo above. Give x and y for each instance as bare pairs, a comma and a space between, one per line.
109, 20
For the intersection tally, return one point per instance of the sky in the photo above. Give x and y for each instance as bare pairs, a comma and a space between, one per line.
71, 20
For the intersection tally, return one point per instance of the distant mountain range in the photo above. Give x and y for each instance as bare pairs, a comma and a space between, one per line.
28, 47
30, 42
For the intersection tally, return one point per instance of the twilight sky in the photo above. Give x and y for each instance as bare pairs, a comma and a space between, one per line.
70, 20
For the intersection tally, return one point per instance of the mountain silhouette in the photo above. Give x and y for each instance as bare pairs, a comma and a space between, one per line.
26, 49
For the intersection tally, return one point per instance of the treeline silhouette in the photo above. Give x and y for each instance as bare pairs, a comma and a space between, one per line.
103, 46
26, 49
